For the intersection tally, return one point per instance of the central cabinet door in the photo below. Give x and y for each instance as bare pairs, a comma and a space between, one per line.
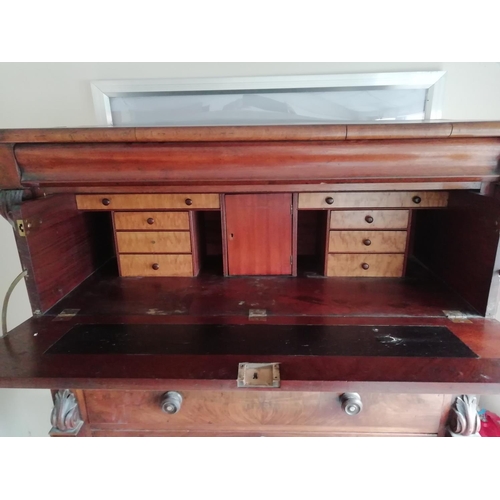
259, 234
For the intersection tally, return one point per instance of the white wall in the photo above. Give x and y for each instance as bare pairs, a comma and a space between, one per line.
58, 95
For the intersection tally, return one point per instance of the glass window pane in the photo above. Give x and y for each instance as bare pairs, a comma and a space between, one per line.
268, 108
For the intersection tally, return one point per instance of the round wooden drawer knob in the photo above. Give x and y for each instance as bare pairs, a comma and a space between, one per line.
369, 219
171, 402
189, 201
365, 266
367, 242
106, 201
156, 266
329, 200
416, 199
150, 221
351, 403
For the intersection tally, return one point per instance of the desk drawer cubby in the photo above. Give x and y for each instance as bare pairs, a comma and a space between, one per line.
365, 265
169, 201
152, 221
369, 219
153, 242
156, 265
367, 242
374, 199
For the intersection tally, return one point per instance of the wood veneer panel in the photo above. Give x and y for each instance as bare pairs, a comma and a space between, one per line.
261, 410
336, 132
460, 245
280, 161
381, 265
160, 221
360, 219
168, 265
259, 234
147, 201
357, 242
9, 172
64, 245
400, 199
153, 242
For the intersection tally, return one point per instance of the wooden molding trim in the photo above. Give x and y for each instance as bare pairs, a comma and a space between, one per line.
338, 132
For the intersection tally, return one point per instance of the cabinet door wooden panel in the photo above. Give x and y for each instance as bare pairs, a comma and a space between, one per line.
152, 221
156, 265
154, 242
369, 219
394, 199
267, 411
259, 234
367, 242
365, 265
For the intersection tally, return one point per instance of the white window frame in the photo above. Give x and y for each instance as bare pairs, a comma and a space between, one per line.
432, 81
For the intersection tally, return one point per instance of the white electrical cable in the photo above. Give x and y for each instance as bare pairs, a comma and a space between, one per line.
3, 332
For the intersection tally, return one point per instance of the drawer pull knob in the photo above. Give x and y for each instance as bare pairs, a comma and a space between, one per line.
367, 242
365, 266
171, 402
369, 219
351, 403
329, 200
189, 201
150, 221
416, 199
156, 266
106, 201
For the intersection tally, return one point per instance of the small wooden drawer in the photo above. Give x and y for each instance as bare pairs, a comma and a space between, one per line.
154, 242
156, 265
147, 201
369, 219
374, 199
263, 412
367, 242
151, 221
365, 265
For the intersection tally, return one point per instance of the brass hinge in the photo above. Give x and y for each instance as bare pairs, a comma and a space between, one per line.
457, 316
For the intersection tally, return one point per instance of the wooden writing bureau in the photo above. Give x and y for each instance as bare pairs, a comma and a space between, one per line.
297, 280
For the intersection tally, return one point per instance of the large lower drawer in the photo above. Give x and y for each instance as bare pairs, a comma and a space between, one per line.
264, 411
367, 242
147, 201
365, 265
393, 199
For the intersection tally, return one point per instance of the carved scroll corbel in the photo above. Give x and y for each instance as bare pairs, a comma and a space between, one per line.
65, 418
463, 420
9, 200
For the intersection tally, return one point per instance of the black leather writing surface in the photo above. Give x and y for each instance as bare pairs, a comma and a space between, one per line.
263, 339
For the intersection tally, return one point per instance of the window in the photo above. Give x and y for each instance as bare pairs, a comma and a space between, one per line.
270, 100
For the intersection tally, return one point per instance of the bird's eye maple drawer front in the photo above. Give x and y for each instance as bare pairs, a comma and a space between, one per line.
367, 242
153, 242
369, 265
152, 221
156, 265
369, 219
374, 199
171, 201
273, 412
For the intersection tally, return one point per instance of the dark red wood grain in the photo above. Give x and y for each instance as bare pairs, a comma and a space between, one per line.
259, 234
9, 171
460, 245
62, 247
306, 162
